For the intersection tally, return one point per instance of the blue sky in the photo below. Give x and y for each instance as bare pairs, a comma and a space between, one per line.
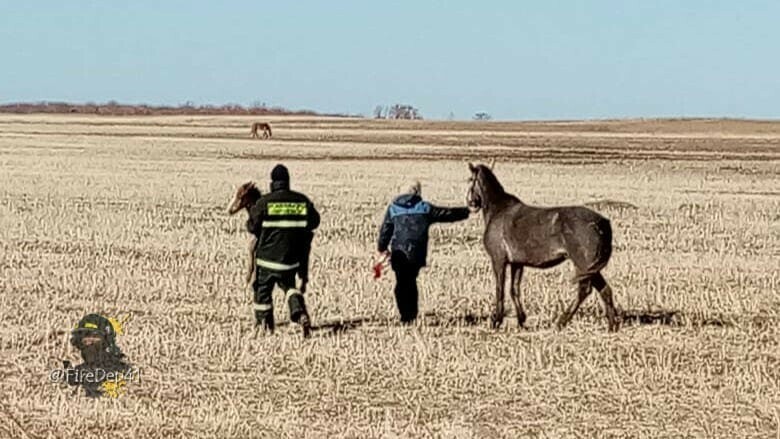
512, 59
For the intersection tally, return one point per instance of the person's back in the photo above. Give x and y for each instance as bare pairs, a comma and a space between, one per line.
404, 232
283, 221
408, 214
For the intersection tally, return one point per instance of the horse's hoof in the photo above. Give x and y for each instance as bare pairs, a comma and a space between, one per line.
495, 322
521, 321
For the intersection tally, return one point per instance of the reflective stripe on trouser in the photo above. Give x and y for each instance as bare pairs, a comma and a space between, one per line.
277, 266
292, 292
285, 224
266, 280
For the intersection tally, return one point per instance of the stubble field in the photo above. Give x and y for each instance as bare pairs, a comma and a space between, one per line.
126, 216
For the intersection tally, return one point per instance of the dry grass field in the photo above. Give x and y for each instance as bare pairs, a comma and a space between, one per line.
127, 216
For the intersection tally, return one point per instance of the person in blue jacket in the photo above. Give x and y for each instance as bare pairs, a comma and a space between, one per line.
403, 236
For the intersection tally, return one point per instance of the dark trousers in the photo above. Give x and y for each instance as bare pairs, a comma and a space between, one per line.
265, 281
406, 293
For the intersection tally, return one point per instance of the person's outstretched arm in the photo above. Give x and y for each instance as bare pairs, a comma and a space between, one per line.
447, 214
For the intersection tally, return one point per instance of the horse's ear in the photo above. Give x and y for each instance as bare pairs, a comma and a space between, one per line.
472, 168
492, 163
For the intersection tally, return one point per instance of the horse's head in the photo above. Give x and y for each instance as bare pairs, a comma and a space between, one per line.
475, 196
246, 195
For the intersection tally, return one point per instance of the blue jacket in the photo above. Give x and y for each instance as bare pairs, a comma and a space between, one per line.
406, 223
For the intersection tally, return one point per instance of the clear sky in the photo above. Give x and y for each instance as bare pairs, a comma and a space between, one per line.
512, 59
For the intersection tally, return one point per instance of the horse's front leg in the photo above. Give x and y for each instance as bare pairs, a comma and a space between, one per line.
250, 272
499, 269
514, 292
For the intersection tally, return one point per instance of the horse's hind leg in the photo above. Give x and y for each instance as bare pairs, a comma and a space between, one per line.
606, 296
499, 269
514, 292
583, 291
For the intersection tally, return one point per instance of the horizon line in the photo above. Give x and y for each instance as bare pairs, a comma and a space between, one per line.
277, 110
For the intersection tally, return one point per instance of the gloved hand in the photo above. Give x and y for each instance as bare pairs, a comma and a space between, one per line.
380, 263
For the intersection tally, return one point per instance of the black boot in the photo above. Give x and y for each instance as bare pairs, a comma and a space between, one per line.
265, 321
305, 323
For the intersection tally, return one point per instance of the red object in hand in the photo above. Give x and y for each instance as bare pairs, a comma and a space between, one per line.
378, 270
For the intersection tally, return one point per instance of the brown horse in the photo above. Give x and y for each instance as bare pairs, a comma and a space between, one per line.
246, 197
261, 126
518, 235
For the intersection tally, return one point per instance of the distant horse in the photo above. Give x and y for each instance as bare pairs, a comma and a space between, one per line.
246, 196
518, 235
261, 126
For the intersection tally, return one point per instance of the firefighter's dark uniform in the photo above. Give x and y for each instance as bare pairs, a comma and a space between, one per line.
283, 221
405, 231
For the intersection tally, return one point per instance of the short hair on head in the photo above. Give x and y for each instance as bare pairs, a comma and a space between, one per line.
415, 188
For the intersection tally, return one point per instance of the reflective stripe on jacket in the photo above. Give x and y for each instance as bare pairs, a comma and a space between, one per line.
283, 221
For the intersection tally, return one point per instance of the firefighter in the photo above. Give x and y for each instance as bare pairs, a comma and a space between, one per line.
95, 338
283, 221
403, 237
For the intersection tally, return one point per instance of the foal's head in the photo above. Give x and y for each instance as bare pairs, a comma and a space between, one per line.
475, 197
246, 195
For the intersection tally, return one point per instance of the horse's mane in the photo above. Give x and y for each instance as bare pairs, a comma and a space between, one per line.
253, 193
490, 182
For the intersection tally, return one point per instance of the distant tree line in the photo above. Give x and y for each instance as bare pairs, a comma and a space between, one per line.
397, 111
405, 111
113, 108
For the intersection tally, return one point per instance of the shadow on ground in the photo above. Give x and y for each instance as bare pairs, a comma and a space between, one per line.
671, 318
468, 319
629, 318
340, 326
430, 319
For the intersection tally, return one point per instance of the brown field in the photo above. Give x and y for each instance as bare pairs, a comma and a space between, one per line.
127, 216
